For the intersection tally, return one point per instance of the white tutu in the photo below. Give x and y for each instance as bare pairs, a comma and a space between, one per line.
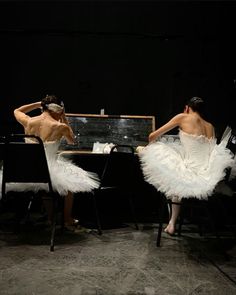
65, 175
190, 166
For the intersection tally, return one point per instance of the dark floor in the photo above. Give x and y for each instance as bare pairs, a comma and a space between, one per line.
121, 261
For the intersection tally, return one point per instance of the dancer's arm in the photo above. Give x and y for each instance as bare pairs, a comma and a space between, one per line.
64, 119
174, 122
20, 113
67, 132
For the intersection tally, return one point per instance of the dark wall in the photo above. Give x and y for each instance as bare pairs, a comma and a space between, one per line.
138, 57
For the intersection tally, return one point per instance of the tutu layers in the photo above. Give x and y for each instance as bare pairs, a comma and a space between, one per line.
190, 166
65, 176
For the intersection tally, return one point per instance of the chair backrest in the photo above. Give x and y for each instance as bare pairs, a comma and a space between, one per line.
24, 162
120, 167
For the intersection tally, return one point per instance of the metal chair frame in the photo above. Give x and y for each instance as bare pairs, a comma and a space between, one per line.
112, 179
27, 163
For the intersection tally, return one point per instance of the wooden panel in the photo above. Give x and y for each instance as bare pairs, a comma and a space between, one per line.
122, 129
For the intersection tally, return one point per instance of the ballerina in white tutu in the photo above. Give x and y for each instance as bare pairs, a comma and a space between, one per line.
190, 166
51, 126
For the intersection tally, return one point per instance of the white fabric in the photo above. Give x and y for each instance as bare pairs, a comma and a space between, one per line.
56, 108
190, 166
65, 175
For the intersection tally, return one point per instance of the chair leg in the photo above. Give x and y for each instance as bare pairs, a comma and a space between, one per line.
203, 206
181, 221
27, 216
97, 214
54, 218
162, 209
158, 242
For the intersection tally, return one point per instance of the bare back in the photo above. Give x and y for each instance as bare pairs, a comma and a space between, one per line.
46, 129
49, 126
191, 123
196, 125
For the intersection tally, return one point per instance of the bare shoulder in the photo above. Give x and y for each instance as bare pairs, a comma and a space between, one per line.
208, 125
62, 126
210, 131
179, 117
33, 122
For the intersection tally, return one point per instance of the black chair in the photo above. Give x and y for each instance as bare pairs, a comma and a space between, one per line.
26, 163
118, 176
211, 210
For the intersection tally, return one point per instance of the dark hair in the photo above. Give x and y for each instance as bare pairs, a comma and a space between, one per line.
196, 104
50, 99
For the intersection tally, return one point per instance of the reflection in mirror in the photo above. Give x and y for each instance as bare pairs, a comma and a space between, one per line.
123, 129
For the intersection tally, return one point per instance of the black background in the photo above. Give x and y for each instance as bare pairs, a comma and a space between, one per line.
127, 57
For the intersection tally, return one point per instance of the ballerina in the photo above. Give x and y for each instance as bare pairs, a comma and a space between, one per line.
190, 166
51, 126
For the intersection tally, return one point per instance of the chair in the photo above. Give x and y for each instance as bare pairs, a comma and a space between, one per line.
204, 206
117, 176
26, 163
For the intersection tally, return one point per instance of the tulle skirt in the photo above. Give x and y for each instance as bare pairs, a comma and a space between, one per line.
65, 176
165, 166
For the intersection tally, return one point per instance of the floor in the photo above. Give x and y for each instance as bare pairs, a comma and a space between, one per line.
122, 261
